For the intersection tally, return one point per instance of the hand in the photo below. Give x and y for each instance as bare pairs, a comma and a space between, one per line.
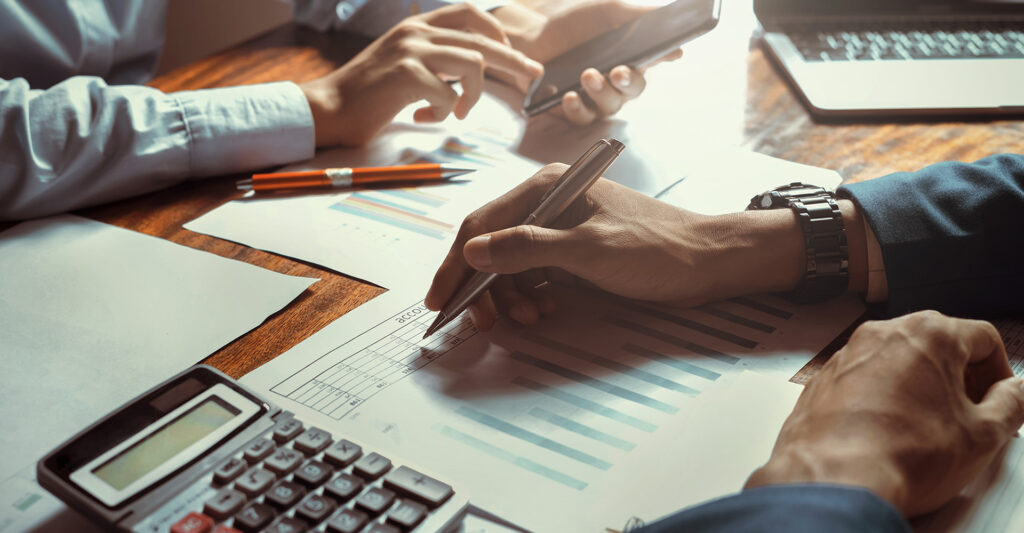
545, 37
911, 408
413, 61
620, 241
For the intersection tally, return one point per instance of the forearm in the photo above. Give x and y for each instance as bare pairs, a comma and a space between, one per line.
83, 142
763, 251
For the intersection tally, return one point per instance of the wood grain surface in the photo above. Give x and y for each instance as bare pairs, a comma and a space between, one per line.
775, 123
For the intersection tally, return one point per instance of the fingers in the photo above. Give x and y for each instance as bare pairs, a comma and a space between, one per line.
465, 65
1002, 410
483, 313
495, 54
606, 94
628, 82
466, 17
427, 86
508, 210
576, 111
521, 248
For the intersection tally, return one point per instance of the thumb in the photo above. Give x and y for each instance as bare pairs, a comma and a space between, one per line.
520, 248
1003, 405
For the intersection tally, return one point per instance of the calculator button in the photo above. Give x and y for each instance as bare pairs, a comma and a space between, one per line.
347, 521
382, 528
343, 488
228, 471
416, 485
313, 441
283, 460
254, 517
259, 449
375, 501
284, 495
314, 509
193, 523
224, 504
254, 481
342, 453
225, 529
313, 474
287, 525
287, 430
372, 466
407, 514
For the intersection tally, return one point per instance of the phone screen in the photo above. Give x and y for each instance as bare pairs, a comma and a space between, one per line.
648, 37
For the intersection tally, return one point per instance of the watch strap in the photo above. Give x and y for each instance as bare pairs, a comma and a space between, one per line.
827, 272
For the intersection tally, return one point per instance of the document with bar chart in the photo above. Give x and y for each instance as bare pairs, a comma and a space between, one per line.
390, 236
539, 422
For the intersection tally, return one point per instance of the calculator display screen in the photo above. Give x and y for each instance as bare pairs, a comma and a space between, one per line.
165, 443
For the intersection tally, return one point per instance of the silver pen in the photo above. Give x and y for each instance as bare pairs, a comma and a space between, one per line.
576, 180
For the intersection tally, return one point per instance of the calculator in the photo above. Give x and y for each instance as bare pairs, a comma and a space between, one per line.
201, 453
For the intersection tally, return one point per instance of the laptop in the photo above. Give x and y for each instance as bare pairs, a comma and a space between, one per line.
886, 58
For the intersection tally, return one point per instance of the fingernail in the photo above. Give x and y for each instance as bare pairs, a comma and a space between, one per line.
593, 83
534, 65
622, 80
478, 252
1020, 383
573, 101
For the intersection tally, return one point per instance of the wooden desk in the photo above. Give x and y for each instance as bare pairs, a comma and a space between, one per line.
775, 124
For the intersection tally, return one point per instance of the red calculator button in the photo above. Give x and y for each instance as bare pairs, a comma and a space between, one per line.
225, 529
193, 523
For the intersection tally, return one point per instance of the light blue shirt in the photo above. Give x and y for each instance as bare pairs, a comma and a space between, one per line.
74, 134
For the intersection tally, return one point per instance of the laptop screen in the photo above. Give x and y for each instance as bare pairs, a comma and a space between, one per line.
774, 9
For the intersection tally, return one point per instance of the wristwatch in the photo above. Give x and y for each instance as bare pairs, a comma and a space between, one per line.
827, 271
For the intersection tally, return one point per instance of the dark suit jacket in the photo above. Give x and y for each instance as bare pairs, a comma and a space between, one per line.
952, 238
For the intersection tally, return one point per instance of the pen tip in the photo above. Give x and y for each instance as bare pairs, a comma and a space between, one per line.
438, 322
451, 172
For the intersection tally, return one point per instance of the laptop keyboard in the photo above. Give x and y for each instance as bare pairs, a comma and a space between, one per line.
922, 41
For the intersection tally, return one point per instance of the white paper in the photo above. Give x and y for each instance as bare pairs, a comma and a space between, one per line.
536, 422
724, 181
724, 435
92, 315
391, 236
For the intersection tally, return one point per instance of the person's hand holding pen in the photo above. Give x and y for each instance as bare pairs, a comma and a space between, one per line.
626, 243
414, 61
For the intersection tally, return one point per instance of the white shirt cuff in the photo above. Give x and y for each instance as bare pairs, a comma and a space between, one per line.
248, 127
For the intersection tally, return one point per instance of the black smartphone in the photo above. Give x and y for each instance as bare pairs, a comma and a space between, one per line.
635, 44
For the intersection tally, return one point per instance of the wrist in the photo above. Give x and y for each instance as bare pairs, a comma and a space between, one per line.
324, 102
793, 466
754, 252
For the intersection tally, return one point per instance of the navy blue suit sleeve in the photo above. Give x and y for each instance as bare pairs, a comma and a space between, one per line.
790, 508
952, 235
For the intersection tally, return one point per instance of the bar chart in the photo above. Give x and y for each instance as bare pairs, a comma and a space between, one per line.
574, 395
401, 209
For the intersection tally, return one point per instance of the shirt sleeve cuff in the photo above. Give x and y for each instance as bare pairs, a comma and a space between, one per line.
247, 127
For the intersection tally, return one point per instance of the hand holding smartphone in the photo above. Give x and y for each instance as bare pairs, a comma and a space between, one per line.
636, 44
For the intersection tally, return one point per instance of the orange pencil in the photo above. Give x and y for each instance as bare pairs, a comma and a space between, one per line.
348, 177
